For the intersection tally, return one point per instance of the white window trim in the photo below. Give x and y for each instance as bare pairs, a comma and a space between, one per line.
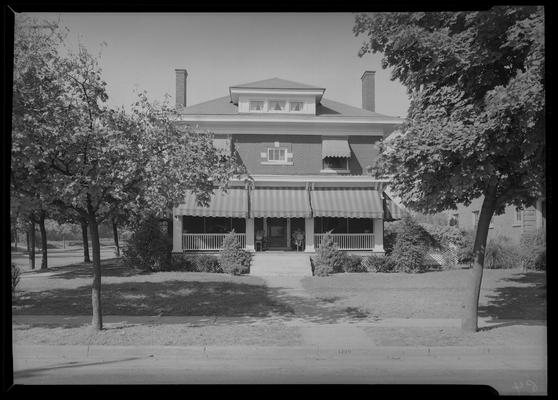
256, 111
284, 161
475, 215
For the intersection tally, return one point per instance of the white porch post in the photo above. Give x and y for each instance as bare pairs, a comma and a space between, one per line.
309, 233
176, 233
378, 235
250, 234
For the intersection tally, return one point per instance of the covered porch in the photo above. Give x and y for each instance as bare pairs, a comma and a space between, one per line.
282, 218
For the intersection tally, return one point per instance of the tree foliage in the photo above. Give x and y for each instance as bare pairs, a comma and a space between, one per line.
476, 118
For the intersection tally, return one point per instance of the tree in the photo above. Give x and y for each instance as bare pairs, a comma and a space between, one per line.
476, 121
95, 160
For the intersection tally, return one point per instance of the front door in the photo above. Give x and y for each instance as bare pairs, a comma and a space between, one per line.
276, 233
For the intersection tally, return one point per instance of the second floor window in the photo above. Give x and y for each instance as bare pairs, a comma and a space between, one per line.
277, 155
517, 216
341, 163
475, 218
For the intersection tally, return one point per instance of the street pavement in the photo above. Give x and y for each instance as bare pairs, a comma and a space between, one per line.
518, 370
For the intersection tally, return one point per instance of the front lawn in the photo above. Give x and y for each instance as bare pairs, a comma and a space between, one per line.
126, 292
505, 294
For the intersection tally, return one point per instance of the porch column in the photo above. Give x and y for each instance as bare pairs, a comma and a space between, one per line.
378, 224
176, 233
309, 232
250, 234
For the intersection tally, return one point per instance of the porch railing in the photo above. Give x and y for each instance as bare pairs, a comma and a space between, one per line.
208, 241
348, 241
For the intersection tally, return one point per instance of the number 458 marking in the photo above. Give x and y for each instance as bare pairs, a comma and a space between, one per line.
528, 385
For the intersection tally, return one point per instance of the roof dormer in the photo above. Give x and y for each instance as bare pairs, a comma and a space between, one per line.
276, 96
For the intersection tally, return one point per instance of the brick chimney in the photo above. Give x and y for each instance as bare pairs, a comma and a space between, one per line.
369, 90
181, 76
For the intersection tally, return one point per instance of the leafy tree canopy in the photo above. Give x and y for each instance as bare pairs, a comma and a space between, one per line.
476, 119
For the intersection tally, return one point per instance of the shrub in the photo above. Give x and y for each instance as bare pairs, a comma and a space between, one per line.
353, 263
410, 250
16, 276
500, 253
444, 235
375, 263
233, 258
328, 258
207, 263
464, 252
149, 248
182, 262
533, 251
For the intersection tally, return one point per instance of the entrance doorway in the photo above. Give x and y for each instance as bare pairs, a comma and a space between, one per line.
277, 233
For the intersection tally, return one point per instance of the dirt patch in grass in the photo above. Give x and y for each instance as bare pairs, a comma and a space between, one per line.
513, 335
164, 335
505, 294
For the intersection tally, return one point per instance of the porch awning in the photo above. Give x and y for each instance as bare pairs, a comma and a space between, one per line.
279, 202
335, 147
233, 203
347, 203
391, 210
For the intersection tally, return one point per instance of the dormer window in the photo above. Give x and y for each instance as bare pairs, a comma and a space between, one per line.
276, 106
296, 105
256, 105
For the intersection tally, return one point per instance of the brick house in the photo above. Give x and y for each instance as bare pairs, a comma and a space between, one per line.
513, 223
308, 158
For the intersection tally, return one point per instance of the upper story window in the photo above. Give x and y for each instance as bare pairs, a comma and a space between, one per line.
276, 105
256, 105
517, 216
277, 154
336, 163
296, 105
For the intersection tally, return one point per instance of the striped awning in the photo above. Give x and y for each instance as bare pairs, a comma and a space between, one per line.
335, 147
233, 203
279, 202
391, 210
348, 203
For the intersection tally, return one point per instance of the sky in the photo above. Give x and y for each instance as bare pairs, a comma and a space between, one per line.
224, 49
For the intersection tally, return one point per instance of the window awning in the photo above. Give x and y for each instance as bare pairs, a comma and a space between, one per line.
233, 203
335, 147
348, 203
391, 210
279, 202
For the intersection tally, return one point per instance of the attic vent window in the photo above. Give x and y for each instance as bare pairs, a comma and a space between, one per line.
256, 105
296, 105
275, 105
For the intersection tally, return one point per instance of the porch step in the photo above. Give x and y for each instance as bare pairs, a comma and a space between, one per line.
281, 264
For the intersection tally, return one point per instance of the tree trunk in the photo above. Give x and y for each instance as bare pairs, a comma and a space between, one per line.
44, 261
15, 240
86, 258
115, 234
27, 241
31, 243
97, 320
470, 316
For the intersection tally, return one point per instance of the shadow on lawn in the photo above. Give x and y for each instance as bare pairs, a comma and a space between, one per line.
524, 305
169, 298
110, 267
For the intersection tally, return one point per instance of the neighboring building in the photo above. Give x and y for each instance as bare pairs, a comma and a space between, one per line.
307, 157
513, 223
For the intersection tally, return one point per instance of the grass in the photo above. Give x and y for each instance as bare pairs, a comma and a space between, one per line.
512, 335
505, 294
168, 334
127, 292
